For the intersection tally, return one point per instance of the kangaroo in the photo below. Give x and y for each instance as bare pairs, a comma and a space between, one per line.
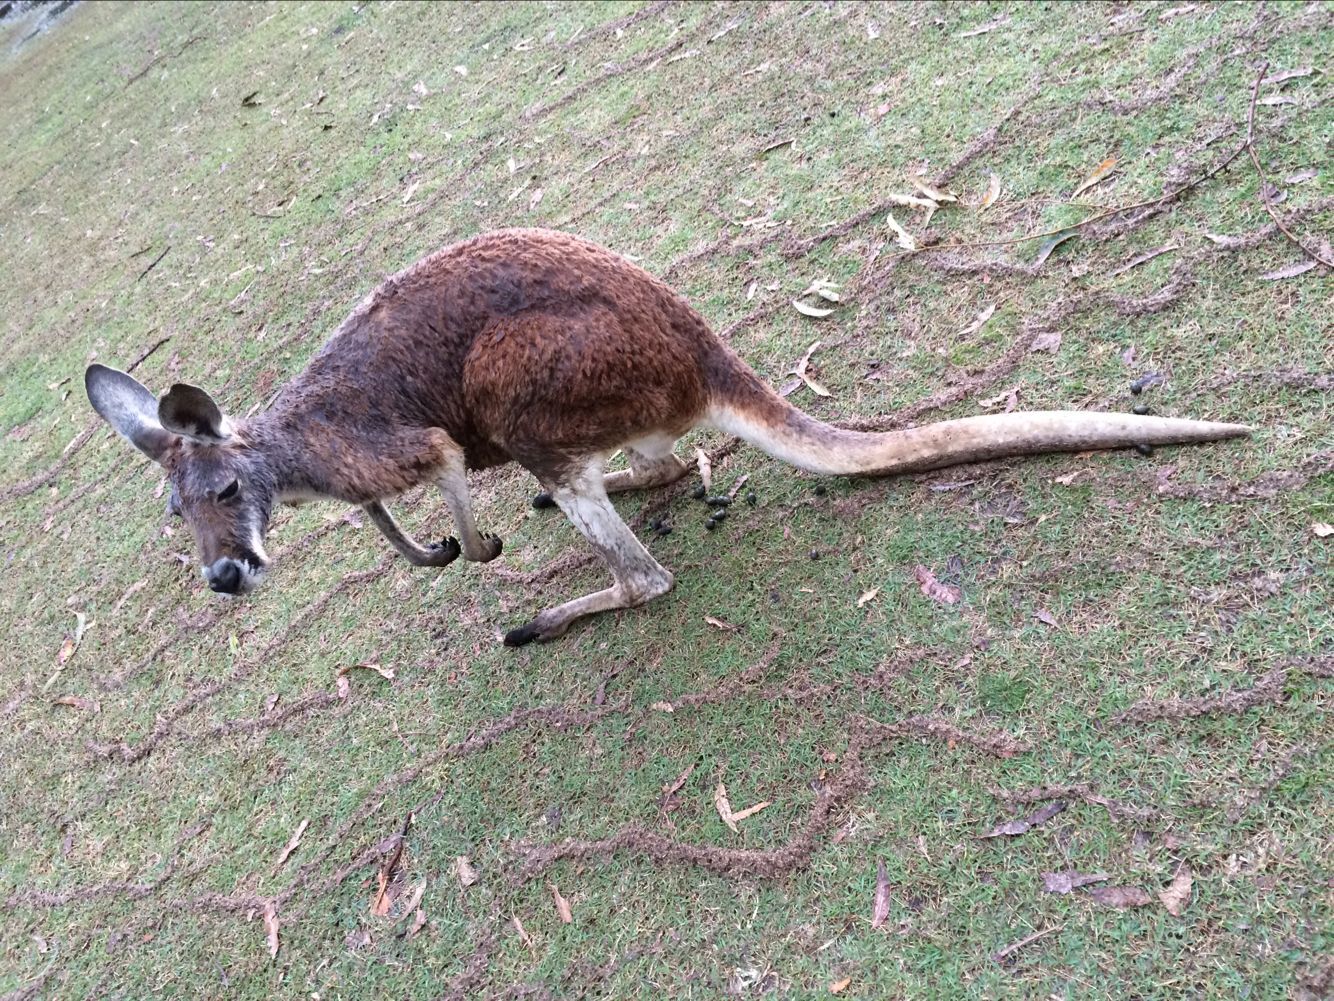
534, 347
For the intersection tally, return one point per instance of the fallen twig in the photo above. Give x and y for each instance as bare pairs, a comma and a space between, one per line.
1000, 954
153, 265
1264, 181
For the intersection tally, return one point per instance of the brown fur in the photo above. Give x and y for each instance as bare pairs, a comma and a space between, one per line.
540, 348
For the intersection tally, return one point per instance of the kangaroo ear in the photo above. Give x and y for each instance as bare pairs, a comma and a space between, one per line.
189, 411
129, 408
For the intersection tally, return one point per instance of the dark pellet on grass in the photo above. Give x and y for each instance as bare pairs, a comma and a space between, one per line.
1144, 449
751, 499
543, 500
1141, 409
821, 490
718, 515
719, 500
710, 525
699, 492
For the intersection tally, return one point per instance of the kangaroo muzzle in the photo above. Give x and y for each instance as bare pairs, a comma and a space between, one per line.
229, 576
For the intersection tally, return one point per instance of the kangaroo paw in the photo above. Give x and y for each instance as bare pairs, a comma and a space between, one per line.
487, 551
443, 553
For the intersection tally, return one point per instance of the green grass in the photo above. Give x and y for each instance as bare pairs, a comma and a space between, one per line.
128, 878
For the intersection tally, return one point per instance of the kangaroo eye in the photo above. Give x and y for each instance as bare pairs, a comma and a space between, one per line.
230, 490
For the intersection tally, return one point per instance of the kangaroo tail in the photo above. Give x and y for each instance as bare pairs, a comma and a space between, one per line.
742, 405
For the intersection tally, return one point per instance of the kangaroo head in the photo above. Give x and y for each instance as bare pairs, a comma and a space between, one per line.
222, 485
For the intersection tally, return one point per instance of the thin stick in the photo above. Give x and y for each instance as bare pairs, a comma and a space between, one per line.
140, 360
1264, 181
1013, 947
153, 265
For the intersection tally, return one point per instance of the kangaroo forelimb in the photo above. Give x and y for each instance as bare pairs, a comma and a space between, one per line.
441, 554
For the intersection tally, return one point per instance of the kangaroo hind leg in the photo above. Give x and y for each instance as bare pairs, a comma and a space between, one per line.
636, 576
652, 464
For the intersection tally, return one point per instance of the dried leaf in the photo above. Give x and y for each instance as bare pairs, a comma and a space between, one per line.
523, 934
1100, 173
1283, 76
1050, 244
1010, 397
993, 192
813, 311
726, 627
78, 702
978, 323
271, 927
1172, 12
562, 905
705, 468
867, 596
1120, 897
724, 807
1322, 530
1045, 617
383, 899
67, 648
1065, 882
1013, 828
418, 923
815, 387
1302, 176
385, 672
672, 788
463, 868
982, 29
343, 685
292, 844
824, 288
1177, 895
946, 594
901, 236
663, 707
910, 201
1273, 100
1068, 478
1289, 271
935, 194
1143, 258
1049, 342
750, 811
839, 986
880, 908
534, 198
418, 892
1230, 242
411, 190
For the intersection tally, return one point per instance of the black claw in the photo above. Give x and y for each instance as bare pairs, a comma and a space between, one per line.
543, 500
522, 635
445, 551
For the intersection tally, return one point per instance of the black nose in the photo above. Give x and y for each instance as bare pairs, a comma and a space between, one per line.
225, 577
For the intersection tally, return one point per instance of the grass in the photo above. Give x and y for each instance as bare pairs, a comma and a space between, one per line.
140, 841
